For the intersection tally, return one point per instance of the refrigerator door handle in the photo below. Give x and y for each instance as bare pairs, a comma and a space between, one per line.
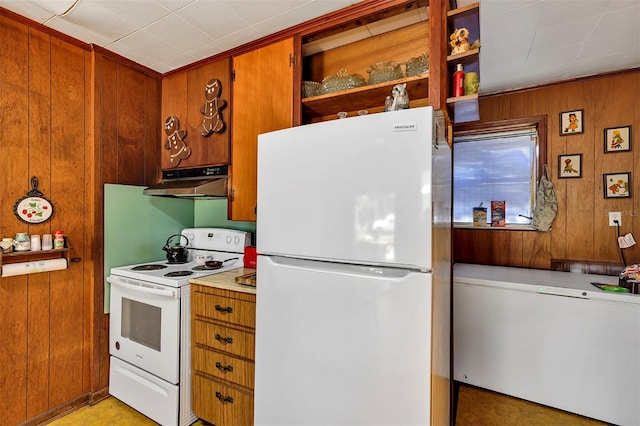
383, 273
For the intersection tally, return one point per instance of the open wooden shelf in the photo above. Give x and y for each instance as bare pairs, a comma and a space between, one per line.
33, 256
365, 97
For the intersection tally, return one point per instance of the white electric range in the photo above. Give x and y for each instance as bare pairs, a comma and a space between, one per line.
149, 326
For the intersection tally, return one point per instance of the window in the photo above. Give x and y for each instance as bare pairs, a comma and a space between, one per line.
498, 161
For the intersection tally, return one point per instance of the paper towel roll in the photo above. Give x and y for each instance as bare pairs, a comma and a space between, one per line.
12, 269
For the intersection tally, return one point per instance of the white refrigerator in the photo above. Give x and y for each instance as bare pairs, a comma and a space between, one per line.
353, 274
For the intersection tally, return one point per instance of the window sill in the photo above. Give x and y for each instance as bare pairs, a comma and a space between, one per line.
495, 228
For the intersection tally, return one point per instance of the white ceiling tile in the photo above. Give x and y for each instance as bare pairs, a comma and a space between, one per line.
316, 8
259, 10
29, 9
97, 20
160, 67
207, 50
603, 47
277, 23
618, 22
139, 12
630, 59
56, 7
515, 48
178, 60
212, 17
598, 65
558, 12
133, 53
152, 46
238, 38
80, 32
497, 7
515, 21
572, 32
495, 75
177, 32
173, 5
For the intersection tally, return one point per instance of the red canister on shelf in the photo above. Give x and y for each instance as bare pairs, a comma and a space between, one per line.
58, 239
458, 81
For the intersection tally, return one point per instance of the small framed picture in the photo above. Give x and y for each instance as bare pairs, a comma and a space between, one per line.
617, 185
571, 123
570, 166
617, 139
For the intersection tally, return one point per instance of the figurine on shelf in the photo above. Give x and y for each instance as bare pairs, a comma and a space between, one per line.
399, 98
459, 41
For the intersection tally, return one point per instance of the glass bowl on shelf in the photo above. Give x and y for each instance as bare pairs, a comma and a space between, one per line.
381, 72
310, 88
342, 80
418, 65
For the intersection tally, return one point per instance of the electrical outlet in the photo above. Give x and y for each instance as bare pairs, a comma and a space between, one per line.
613, 216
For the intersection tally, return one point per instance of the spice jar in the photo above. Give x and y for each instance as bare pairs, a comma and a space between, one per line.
58, 239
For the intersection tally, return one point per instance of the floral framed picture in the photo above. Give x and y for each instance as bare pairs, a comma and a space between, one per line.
617, 139
617, 185
571, 123
570, 166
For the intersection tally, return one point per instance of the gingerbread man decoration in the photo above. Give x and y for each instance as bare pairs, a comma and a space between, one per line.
212, 109
175, 141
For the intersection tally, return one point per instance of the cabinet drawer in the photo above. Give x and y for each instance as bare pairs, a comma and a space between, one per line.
221, 404
225, 339
225, 309
223, 366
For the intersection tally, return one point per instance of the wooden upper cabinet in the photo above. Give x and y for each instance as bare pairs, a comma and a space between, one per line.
262, 102
127, 109
183, 96
354, 42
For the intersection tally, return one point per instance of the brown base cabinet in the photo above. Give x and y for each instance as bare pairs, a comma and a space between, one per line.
223, 355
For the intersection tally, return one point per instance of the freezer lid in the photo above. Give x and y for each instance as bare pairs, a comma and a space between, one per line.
359, 190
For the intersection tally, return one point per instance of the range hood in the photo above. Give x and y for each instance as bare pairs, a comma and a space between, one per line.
210, 182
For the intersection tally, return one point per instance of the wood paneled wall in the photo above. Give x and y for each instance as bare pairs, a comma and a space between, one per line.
43, 331
75, 119
581, 229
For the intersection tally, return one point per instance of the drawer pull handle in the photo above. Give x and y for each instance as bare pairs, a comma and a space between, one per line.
228, 309
225, 340
227, 369
224, 399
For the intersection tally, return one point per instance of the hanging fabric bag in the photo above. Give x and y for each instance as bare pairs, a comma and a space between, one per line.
546, 203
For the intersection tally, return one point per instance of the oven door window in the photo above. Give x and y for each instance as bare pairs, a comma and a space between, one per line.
142, 323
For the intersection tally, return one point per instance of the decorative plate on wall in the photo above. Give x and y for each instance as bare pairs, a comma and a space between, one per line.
33, 208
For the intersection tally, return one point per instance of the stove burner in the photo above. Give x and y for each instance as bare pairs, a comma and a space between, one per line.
178, 274
177, 263
148, 267
205, 268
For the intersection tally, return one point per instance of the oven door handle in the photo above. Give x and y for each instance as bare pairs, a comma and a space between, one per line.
168, 292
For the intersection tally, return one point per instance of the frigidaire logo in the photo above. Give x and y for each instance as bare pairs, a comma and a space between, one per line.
405, 127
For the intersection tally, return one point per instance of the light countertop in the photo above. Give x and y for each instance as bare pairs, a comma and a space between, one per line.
226, 280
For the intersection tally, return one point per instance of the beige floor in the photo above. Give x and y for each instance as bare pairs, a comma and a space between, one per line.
109, 412
476, 407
